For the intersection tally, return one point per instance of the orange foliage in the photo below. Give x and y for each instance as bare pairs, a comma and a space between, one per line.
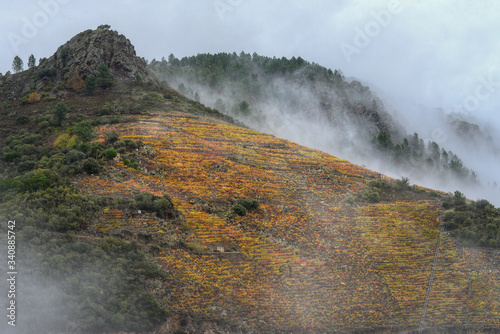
303, 260
33, 97
75, 82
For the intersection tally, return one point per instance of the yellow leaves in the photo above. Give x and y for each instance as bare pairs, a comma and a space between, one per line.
65, 140
303, 259
33, 97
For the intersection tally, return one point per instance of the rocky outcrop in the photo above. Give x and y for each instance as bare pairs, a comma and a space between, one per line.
89, 49
77, 59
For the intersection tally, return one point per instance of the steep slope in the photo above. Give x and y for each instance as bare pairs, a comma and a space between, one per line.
305, 260
139, 210
317, 107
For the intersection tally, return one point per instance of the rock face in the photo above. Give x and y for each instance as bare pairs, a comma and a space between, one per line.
81, 56
87, 50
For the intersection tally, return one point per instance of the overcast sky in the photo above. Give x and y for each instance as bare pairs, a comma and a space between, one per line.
441, 53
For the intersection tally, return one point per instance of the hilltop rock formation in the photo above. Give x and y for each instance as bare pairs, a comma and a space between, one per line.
77, 59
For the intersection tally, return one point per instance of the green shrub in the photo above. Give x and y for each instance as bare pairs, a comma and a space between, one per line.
482, 204
25, 166
73, 157
126, 162
37, 182
90, 84
448, 204
104, 77
11, 156
350, 199
249, 204
84, 130
450, 225
379, 184
152, 97
47, 73
403, 184
161, 206
239, 209
6, 184
60, 113
449, 216
84, 147
91, 166
110, 153
22, 120
372, 197
43, 124
459, 198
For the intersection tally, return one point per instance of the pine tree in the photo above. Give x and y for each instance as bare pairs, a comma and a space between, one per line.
31, 61
90, 84
104, 76
60, 112
17, 64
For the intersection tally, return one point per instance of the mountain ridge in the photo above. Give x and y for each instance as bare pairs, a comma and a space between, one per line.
145, 211
318, 107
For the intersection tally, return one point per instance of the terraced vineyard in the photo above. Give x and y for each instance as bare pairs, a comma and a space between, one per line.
305, 260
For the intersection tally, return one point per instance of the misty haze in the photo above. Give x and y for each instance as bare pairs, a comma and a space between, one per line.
229, 166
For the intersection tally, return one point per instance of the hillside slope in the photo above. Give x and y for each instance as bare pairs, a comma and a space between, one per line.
305, 259
139, 210
320, 108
